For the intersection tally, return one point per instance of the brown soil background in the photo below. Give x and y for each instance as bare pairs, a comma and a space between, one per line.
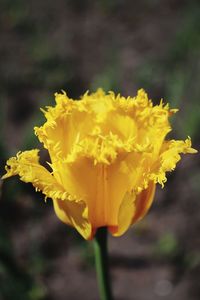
78, 45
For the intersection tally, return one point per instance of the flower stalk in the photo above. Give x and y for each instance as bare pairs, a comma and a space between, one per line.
101, 261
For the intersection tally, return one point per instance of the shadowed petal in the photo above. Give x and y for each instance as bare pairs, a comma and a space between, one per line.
132, 209
126, 211
143, 202
74, 214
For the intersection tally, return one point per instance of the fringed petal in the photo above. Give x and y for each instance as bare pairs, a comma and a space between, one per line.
168, 158
26, 165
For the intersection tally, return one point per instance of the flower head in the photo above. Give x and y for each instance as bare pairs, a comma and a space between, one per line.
107, 155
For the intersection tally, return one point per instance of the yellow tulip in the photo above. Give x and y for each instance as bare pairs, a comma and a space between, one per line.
107, 155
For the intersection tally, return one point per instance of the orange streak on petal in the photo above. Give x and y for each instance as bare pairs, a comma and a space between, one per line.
143, 202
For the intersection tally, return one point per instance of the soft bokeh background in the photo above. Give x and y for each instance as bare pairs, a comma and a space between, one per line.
76, 45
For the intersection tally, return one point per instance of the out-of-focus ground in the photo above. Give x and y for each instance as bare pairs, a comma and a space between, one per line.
76, 45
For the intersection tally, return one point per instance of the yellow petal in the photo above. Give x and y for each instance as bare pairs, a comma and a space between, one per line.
26, 165
101, 187
143, 202
133, 208
126, 212
69, 210
60, 130
168, 158
74, 214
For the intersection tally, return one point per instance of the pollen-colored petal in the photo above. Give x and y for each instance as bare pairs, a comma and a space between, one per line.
74, 214
133, 208
125, 215
143, 202
102, 188
68, 209
168, 158
26, 165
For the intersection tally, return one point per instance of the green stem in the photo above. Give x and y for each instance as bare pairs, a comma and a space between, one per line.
101, 260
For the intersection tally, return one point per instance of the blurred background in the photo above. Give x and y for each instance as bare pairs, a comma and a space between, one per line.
76, 45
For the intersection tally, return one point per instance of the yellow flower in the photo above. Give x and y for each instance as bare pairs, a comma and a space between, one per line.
107, 154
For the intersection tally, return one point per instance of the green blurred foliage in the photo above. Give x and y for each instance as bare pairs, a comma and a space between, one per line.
178, 72
167, 246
